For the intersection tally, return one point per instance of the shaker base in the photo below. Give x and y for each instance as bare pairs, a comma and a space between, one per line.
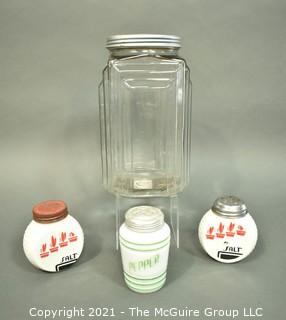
145, 285
146, 288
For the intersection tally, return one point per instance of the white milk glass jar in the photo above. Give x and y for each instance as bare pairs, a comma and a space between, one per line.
145, 111
227, 232
144, 244
54, 239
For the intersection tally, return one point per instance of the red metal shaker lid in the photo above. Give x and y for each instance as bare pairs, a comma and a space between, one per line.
50, 211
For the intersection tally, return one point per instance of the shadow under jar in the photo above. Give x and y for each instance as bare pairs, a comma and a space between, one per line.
145, 110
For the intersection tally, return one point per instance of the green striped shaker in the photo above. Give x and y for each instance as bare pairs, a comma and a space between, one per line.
144, 244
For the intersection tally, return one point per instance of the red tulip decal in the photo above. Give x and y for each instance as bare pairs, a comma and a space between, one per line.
44, 253
53, 241
72, 237
231, 226
220, 230
53, 247
55, 244
63, 242
240, 231
230, 232
63, 236
210, 235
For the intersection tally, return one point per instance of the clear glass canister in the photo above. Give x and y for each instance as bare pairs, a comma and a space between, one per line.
145, 116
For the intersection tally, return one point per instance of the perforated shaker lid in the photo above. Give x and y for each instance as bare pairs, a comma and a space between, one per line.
144, 219
229, 206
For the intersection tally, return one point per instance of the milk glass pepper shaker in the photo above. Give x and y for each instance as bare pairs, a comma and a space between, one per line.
227, 231
54, 239
144, 243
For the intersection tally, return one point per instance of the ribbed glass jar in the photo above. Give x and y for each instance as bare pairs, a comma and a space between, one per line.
145, 110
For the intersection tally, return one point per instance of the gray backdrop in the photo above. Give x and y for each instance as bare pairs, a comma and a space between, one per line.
51, 57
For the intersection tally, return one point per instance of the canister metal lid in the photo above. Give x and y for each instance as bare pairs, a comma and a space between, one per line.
143, 40
229, 206
144, 219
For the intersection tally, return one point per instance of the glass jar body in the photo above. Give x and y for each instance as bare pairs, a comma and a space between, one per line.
145, 122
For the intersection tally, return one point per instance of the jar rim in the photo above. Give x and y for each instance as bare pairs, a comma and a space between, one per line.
143, 41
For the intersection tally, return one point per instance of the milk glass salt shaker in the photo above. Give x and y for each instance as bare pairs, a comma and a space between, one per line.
227, 231
144, 243
145, 115
53, 239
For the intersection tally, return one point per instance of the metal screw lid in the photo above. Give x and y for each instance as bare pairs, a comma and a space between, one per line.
143, 40
50, 211
230, 206
144, 219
